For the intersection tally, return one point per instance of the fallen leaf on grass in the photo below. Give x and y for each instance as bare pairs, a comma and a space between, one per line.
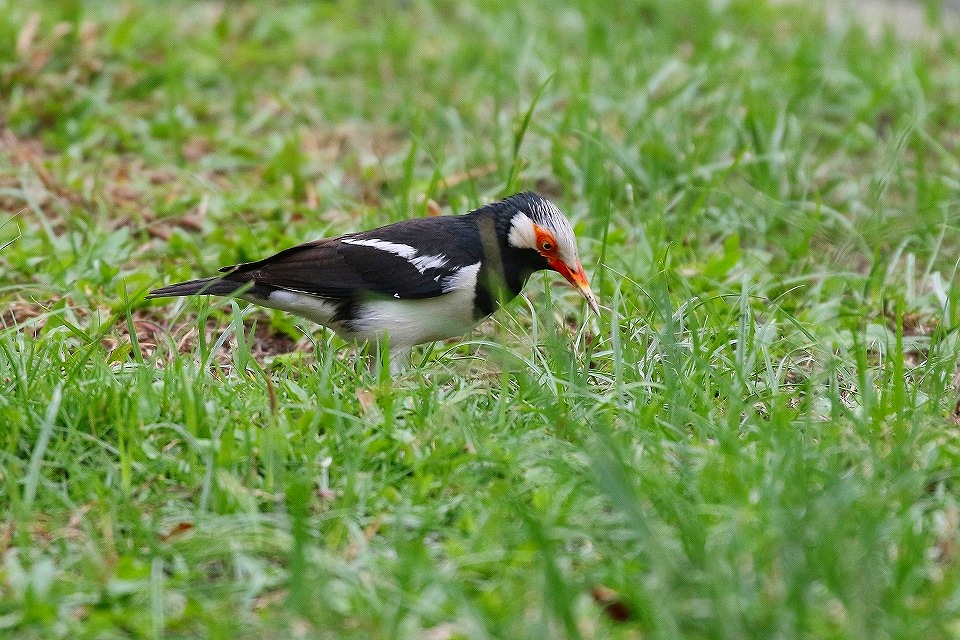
27, 34
269, 598
612, 603
176, 530
367, 400
469, 174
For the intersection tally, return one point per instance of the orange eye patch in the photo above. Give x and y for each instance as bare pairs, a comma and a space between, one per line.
546, 242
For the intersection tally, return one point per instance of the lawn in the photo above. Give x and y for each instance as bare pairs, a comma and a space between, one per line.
758, 438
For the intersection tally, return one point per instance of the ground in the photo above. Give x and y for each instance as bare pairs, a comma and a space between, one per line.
757, 438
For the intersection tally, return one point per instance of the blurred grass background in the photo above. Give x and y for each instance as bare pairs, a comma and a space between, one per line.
758, 439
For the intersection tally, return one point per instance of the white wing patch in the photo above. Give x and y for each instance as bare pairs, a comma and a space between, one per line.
405, 251
402, 250
463, 279
429, 262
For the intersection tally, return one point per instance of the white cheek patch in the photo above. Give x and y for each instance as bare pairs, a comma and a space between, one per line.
522, 234
404, 251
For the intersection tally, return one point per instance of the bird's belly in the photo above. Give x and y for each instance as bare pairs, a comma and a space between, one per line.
407, 322
412, 322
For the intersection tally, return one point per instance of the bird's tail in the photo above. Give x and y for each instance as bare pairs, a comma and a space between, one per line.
205, 287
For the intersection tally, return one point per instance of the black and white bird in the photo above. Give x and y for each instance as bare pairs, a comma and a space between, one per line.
414, 281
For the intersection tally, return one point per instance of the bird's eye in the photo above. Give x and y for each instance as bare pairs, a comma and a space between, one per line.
546, 246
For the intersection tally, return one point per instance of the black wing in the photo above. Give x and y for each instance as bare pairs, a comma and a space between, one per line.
407, 260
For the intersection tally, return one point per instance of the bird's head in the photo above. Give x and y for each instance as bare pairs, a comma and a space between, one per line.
538, 225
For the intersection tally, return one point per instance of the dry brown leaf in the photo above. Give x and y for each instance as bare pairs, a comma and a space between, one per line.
946, 545
88, 35
28, 34
269, 598
368, 401
433, 209
612, 603
371, 530
176, 530
6, 535
469, 174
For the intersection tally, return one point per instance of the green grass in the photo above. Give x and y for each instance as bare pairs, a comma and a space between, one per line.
758, 439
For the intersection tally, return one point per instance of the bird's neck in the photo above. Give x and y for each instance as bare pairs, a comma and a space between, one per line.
504, 269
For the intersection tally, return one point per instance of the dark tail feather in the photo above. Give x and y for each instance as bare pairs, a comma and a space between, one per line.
204, 287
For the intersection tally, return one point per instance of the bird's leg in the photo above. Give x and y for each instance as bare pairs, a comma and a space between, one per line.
399, 360
398, 357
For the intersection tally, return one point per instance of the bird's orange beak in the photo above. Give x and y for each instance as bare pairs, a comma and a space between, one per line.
578, 279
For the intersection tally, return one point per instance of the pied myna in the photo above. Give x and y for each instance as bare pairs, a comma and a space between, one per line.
415, 281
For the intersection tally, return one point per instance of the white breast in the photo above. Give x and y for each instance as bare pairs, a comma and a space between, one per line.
411, 322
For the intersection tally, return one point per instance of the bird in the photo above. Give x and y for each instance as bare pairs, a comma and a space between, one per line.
410, 282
